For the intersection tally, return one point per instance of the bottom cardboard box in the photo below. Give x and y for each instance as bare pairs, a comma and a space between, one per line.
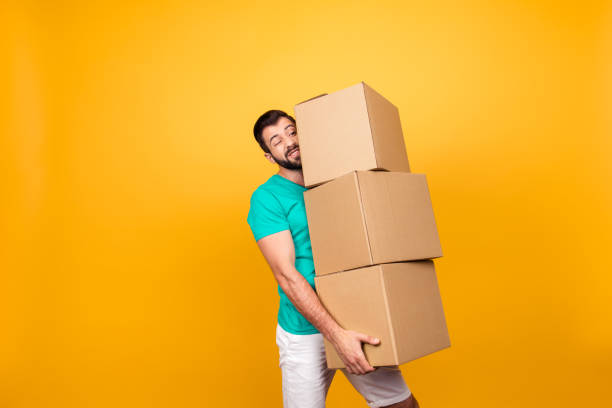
397, 302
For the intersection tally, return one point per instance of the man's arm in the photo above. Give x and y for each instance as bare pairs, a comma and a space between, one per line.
279, 251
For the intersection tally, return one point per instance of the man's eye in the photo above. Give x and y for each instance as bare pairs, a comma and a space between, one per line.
293, 133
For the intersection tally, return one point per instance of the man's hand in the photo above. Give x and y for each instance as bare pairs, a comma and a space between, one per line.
348, 346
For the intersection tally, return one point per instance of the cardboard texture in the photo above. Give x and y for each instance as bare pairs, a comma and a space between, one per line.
371, 217
352, 129
398, 302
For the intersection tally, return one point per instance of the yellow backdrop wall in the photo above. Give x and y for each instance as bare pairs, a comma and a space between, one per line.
129, 274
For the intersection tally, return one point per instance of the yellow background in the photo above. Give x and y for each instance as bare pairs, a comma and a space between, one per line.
129, 274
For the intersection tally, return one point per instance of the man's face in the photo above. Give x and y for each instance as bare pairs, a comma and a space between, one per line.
281, 138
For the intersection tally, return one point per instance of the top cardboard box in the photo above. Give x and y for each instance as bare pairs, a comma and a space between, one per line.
352, 129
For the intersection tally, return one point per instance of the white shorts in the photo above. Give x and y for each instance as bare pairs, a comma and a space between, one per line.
306, 378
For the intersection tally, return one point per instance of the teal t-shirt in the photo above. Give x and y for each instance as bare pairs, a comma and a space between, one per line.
278, 205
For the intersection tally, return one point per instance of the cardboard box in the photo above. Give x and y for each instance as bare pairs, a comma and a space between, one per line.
352, 129
399, 303
371, 217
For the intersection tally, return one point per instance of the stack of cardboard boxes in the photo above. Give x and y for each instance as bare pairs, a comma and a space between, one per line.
372, 226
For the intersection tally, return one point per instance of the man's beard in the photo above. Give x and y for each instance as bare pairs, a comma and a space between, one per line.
288, 164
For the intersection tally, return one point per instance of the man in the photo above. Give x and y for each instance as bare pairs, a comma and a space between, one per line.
277, 217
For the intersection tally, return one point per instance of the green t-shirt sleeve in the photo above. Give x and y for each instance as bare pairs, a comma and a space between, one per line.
266, 216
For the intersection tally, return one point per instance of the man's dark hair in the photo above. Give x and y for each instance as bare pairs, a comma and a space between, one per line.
267, 119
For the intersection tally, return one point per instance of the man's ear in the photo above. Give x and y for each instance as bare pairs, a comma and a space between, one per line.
270, 158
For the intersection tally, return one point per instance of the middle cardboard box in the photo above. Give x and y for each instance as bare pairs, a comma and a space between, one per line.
371, 217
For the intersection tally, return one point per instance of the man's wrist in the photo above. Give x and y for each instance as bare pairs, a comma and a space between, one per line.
333, 332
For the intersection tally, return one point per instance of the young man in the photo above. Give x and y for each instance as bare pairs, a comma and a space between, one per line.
277, 217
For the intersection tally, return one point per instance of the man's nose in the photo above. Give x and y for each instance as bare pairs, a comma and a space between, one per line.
292, 141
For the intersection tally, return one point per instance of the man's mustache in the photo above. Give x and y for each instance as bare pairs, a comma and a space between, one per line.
291, 149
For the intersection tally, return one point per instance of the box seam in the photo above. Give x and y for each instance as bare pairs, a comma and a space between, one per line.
388, 311
363, 217
365, 98
372, 137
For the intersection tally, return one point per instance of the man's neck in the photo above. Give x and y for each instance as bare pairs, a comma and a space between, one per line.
294, 175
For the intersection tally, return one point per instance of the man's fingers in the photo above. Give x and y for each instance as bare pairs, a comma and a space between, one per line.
356, 366
364, 338
365, 366
355, 360
357, 369
359, 364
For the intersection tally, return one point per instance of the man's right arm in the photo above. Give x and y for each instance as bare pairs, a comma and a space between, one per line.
279, 251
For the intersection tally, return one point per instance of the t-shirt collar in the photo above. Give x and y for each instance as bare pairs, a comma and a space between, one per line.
288, 182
